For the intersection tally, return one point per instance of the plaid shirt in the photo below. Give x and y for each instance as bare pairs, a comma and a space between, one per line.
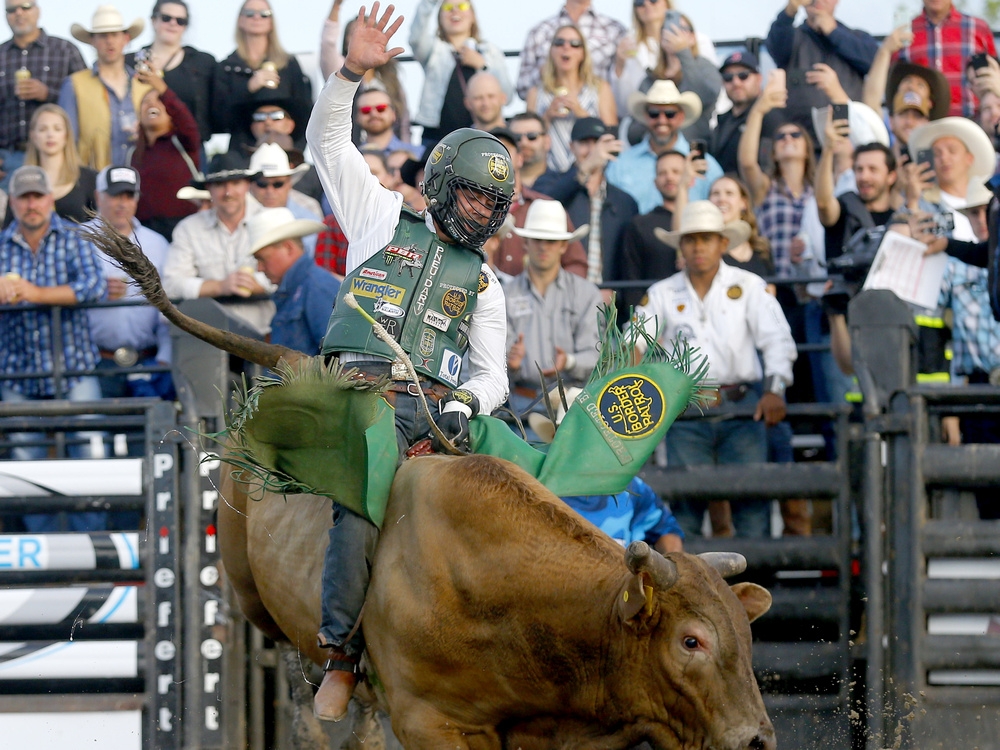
975, 334
50, 59
63, 258
948, 48
779, 218
331, 247
601, 32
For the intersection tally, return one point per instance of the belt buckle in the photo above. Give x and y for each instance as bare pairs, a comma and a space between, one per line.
125, 356
398, 371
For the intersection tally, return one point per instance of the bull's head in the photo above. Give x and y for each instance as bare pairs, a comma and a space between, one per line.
692, 650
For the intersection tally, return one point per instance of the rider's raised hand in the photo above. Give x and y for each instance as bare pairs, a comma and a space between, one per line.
371, 34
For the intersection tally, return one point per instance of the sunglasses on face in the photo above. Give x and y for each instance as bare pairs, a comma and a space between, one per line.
167, 18
250, 13
265, 184
265, 116
795, 134
529, 136
12, 9
377, 107
742, 75
640, 3
655, 114
561, 42
449, 7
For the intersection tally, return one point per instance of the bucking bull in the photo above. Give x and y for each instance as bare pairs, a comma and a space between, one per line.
496, 616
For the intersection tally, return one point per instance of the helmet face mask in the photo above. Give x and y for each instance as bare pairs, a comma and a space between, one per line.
469, 185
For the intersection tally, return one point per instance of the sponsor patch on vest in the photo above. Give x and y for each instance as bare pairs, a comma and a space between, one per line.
436, 320
374, 273
498, 167
387, 308
463, 332
403, 257
454, 302
421, 301
377, 290
391, 326
631, 406
484, 282
451, 367
426, 346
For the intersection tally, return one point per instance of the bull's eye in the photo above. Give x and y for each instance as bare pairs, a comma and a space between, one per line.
691, 643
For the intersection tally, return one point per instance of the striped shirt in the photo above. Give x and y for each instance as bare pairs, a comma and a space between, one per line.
62, 258
49, 59
779, 219
947, 47
975, 333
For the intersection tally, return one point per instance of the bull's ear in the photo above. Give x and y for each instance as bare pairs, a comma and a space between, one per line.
632, 599
756, 600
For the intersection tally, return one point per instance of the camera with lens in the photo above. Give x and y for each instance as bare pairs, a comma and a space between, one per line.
849, 270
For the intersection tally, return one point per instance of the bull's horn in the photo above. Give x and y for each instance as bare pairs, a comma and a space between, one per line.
129, 257
641, 559
726, 563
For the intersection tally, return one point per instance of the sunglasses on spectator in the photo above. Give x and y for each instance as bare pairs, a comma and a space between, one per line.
377, 107
640, 3
654, 114
742, 75
265, 116
561, 42
787, 134
12, 9
530, 136
449, 7
167, 18
264, 184
250, 13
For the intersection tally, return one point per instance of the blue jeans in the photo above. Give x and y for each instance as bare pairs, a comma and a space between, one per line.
87, 389
717, 441
12, 159
348, 563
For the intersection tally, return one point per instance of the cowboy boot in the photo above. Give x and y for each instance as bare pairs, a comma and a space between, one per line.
334, 694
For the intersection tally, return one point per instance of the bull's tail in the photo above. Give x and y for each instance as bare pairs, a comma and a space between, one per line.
129, 257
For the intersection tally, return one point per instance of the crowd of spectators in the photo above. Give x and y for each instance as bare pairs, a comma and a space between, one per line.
637, 154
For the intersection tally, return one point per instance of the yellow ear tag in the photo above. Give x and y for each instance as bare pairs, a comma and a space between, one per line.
648, 591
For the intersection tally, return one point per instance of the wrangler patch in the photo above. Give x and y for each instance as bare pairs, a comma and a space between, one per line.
374, 290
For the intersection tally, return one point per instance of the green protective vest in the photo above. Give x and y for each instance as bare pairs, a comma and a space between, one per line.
422, 290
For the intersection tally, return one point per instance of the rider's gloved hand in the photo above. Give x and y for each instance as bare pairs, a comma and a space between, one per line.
457, 408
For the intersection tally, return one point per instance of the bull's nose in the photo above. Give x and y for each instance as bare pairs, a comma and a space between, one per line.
763, 741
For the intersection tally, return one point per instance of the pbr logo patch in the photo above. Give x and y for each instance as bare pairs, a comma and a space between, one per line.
484, 282
632, 406
427, 339
454, 302
499, 168
406, 257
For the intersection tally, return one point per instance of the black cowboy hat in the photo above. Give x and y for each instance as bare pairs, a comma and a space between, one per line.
940, 90
223, 168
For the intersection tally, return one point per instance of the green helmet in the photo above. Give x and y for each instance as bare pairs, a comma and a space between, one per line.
469, 185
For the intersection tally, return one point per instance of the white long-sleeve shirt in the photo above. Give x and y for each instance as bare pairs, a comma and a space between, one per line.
368, 214
736, 319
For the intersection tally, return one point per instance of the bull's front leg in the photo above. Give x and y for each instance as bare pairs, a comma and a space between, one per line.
419, 726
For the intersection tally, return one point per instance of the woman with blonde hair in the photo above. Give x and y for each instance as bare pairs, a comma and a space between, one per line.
259, 72
731, 195
569, 90
451, 51
51, 147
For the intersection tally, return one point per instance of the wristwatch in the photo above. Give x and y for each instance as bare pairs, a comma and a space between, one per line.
775, 384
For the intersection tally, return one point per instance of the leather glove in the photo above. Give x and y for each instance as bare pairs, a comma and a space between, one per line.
457, 408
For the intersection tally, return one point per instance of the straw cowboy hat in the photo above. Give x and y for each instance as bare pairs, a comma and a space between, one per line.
106, 19
661, 93
705, 216
276, 224
547, 220
544, 427
270, 160
865, 123
968, 132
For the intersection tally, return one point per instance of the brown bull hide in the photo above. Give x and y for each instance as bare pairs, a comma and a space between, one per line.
493, 618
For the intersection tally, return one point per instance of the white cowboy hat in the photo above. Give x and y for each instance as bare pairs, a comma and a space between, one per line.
544, 427
978, 195
968, 132
547, 220
705, 216
270, 160
106, 19
276, 224
664, 92
865, 123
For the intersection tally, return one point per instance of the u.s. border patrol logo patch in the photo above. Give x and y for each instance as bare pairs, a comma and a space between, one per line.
499, 168
484, 282
631, 406
454, 303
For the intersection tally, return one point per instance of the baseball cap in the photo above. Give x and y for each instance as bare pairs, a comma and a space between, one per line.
588, 127
29, 179
744, 59
117, 180
910, 99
